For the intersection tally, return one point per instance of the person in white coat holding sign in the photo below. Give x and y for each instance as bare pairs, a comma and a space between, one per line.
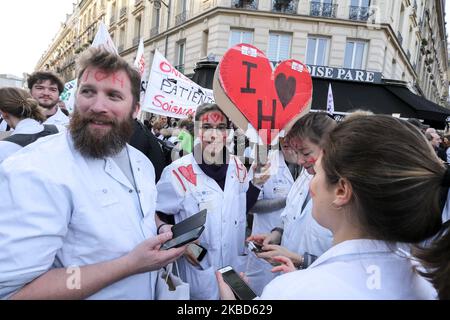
379, 198
211, 179
78, 208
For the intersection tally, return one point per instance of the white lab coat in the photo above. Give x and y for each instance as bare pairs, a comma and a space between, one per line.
25, 126
302, 233
59, 119
60, 209
224, 234
277, 187
355, 269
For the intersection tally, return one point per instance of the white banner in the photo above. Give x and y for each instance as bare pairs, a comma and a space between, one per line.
68, 95
103, 39
171, 93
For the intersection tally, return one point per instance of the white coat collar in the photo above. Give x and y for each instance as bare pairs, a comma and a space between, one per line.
358, 247
28, 126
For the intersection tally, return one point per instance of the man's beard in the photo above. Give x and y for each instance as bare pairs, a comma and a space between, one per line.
94, 143
49, 105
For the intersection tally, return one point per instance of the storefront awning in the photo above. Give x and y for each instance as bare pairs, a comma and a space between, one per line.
378, 98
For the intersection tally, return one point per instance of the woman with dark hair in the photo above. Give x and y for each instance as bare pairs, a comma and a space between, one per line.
379, 197
25, 116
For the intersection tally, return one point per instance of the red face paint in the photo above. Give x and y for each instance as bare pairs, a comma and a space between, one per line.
100, 76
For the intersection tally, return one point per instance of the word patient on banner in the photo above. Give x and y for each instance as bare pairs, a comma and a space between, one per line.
256, 97
171, 93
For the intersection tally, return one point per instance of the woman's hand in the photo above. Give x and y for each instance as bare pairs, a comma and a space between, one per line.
270, 251
286, 265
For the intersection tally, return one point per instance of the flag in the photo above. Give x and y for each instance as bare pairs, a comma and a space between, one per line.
103, 39
330, 100
139, 63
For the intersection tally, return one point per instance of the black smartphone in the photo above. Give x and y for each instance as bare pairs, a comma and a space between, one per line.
190, 223
183, 239
198, 251
240, 289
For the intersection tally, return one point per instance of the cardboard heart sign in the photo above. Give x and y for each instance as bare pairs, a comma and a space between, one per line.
250, 93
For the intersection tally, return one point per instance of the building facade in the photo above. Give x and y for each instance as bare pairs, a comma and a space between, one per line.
403, 40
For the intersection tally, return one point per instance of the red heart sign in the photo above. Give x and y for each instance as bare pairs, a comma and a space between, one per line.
188, 173
267, 99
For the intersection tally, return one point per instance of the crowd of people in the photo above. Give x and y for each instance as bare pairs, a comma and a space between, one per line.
349, 210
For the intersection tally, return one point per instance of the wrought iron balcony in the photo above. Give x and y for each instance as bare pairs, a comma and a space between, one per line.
137, 3
112, 20
120, 48
245, 4
400, 38
180, 18
285, 6
154, 31
136, 41
359, 13
319, 9
123, 11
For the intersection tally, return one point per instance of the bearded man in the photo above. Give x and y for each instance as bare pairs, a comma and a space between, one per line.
46, 88
78, 208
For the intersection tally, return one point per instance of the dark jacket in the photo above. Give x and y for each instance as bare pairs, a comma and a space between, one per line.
145, 141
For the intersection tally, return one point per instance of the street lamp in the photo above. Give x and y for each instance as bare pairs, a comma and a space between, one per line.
157, 6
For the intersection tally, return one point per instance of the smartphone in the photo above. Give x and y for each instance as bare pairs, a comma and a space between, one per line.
183, 239
253, 246
198, 251
190, 223
240, 289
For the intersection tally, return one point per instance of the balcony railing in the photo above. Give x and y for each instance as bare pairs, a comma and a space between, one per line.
180, 18
120, 48
245, 4
285, 6
123, 11
138, 2
180, 68
136, 41
359, 13
112, 20
319, 9
154, 31
400, 38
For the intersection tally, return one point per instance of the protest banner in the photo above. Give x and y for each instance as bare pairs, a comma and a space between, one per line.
257, 98
68, 95
171, 93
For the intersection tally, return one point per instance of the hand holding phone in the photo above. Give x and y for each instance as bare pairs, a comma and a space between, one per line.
255, 247
183, 239
240, 289
198, 252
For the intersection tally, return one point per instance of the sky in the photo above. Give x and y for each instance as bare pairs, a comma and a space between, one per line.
27, 28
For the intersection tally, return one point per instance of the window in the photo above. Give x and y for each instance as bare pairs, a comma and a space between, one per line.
181, 51
137, 27
360, 3
355, 54
205, 36
279, 47
317, 51
240, 36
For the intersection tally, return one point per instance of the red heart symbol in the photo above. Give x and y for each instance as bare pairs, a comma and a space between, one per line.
100, 75
267, 99
188, 173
